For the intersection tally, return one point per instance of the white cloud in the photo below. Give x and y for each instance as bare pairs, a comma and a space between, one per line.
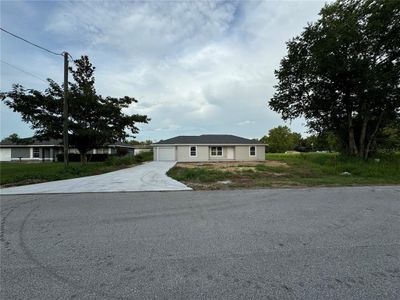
195, 67
244, 123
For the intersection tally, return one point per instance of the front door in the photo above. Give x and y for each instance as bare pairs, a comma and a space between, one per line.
230, 153
45, 154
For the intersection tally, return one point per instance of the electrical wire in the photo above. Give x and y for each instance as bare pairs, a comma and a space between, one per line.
33, 44
22, 70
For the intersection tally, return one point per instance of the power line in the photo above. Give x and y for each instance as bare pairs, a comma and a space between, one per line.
22, 70
33, 44
70, 56
65, 110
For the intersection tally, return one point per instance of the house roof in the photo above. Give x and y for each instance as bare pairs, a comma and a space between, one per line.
33, 141
122, 144
208, 139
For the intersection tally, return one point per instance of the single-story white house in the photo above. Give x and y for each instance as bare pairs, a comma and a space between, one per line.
33, 149
208, 147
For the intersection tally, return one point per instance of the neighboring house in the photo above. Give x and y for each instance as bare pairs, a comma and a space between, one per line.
32, 149
208, 147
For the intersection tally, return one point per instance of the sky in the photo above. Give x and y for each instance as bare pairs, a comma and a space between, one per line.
196, 67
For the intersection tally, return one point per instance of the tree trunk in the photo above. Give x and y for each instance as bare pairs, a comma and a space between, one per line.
83, 158
352, 142
373, 136
363, 136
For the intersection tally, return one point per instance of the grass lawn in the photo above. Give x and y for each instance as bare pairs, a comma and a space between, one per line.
16, 173
290, 170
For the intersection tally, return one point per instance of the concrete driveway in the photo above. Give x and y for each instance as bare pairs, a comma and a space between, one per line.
149, 176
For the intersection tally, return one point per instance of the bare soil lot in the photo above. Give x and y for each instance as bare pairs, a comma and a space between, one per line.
234, 165
290, 170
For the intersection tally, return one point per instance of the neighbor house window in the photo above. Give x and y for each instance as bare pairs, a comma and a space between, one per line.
216, 151
36, 152
193, 151
252, 151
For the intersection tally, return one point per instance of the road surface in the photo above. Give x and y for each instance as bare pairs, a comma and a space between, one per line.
326, 243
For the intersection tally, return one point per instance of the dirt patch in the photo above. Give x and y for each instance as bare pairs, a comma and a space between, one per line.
231, 175
23, 182
235, 166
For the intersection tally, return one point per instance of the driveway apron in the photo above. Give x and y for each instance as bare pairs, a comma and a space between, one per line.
149, 176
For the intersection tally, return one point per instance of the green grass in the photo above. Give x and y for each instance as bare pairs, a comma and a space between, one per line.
197, 174
24, 173
308, 169
321, 166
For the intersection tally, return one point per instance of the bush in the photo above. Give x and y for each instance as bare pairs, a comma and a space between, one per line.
129, 160
77, 157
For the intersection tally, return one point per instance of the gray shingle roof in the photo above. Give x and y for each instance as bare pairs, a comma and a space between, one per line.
122, 144
32, 141
207, 139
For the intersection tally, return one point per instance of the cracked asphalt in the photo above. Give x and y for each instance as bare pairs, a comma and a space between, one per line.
322, 243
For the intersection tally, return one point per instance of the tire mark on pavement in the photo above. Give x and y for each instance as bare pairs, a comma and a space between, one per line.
48, 271
4, 219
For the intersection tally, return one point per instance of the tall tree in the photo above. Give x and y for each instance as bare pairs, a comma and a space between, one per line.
343, 73
94, 120
12, 138
281, 139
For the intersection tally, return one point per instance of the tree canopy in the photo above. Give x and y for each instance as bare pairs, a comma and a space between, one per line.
343, 73
93, 121
13, 138
281, 139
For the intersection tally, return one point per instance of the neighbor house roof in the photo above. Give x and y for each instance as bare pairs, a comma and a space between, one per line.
31, 142
208, 139
25, 142
122, 144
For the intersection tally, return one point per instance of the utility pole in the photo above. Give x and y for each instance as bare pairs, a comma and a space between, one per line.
65, 112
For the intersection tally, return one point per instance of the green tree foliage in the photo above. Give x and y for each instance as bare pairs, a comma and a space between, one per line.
324, 141
142, 143
389, 138
343, 73
94, 120
281, 139
12, 138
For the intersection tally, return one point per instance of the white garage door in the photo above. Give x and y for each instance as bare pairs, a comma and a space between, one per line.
166, 153
5, 154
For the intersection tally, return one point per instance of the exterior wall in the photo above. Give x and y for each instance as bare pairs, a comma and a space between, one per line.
184, 155
47, 153
26, 153
5, 154
242, 153
109, 150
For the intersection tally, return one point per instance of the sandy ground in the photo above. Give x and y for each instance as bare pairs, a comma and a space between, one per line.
232, 165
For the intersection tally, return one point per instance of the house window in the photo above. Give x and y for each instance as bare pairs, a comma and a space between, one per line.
252, 151
193, 151
216, 151
36, 152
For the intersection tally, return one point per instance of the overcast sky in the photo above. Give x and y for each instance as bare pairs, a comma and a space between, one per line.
195, 66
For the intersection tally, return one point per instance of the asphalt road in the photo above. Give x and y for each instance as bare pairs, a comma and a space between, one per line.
329, 243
